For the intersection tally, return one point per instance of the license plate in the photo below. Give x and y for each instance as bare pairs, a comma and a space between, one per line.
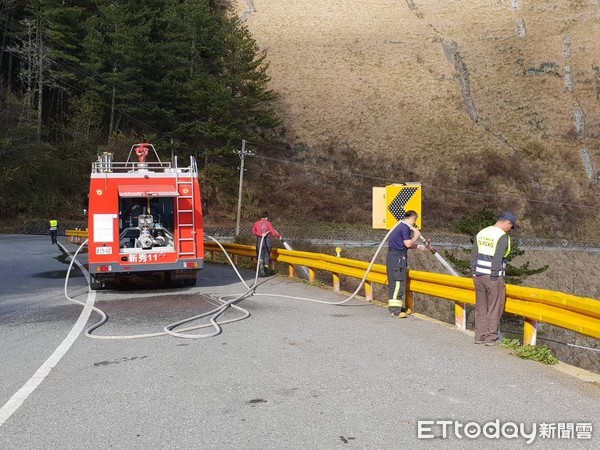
103, 250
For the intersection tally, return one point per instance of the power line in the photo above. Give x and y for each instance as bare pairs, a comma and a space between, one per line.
278, 178
352, 174
155, 108
462, 191
389, 180
313, 182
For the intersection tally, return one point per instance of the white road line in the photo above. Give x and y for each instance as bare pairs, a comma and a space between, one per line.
21, 395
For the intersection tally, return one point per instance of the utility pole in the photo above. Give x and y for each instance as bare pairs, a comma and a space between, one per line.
242, 154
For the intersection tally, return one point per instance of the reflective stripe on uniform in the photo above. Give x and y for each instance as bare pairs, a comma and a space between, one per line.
484, 264
395, 303
488, 271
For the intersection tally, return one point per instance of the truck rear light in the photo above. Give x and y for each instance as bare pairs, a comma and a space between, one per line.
104, 269
191, 264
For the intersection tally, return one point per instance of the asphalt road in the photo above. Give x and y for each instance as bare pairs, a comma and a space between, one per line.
293, 375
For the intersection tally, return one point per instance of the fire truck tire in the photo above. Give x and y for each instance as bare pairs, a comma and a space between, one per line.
189, 282
96, 285
170, 282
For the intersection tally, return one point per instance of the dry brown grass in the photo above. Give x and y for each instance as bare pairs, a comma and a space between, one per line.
373, 75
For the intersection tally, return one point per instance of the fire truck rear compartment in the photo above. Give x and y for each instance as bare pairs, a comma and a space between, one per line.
146, 223
145, 219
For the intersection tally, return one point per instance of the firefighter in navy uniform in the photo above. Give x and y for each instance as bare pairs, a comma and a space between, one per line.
53, 230
488, 268
397, 262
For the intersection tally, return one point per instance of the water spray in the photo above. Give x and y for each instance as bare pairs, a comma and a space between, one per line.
446, 264
303, 269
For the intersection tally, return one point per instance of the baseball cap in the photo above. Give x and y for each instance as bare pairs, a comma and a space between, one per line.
507, 215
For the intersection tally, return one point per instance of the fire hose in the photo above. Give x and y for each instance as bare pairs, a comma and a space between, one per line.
225, 301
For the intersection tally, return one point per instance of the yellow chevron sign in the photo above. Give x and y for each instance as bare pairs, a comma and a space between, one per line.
391, 202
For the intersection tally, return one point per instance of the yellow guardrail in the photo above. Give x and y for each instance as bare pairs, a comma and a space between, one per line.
76, 236
580, 314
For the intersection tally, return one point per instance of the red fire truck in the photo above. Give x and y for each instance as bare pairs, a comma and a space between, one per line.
145, 218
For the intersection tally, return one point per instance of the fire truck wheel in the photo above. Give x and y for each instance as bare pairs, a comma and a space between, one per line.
96, 285
189, 282
170, 282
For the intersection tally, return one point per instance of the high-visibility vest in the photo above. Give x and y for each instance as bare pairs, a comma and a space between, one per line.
53, 224
487, 242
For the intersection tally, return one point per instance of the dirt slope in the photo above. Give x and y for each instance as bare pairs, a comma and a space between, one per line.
487, 96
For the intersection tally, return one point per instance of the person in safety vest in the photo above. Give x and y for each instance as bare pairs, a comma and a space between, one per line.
488, 268
397, 262
53, 230
264, 228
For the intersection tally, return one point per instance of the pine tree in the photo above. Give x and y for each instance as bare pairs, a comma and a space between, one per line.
215, 77
90, 70
118, 61
471, 225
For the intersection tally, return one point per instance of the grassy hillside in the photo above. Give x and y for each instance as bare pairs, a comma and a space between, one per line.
496, 96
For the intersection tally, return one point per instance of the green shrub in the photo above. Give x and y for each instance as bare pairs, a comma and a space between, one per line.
533, 352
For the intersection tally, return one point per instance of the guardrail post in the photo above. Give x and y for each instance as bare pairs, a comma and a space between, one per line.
368, 291
410, 300
336, 282
460, 316
529, 332
291, 271
235, 260
336, 276
311, 275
